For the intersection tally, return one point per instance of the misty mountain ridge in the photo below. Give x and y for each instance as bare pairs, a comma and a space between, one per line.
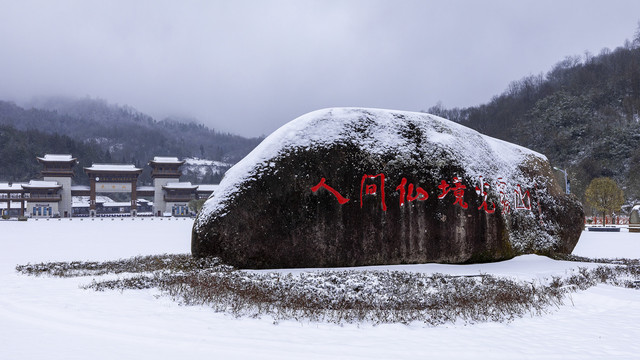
584, 115
112, 134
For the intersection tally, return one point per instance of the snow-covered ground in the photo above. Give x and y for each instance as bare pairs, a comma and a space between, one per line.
612, 245
52, 318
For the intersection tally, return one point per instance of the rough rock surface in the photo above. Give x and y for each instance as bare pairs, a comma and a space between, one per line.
266, 214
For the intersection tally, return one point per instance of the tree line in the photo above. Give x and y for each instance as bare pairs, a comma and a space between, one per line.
19, 149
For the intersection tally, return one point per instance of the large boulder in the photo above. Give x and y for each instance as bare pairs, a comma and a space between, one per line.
351, 186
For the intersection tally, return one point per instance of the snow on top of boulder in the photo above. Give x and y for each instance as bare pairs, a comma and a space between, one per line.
382, 131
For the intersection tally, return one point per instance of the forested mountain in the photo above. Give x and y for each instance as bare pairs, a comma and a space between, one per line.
19, 148
109, 133
584, 115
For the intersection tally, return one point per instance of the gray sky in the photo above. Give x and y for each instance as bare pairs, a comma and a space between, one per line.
248, 67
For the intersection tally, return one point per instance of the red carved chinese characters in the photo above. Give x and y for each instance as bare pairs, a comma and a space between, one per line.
374, 185
444, 186
480, 191
458, 192
522, 200
341, 199
502, 188
371, 189
421, 194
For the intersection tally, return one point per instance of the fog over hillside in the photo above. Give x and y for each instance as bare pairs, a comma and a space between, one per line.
95, 131
248, 67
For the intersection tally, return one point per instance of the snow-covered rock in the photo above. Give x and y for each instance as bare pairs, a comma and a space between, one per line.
351, 186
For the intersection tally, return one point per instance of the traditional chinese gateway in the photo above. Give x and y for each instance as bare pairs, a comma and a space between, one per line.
55, 196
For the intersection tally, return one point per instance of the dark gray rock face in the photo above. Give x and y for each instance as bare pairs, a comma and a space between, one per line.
350, 187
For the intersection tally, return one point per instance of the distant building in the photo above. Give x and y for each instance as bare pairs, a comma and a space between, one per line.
44, 198
12, 199
59, 169
113, 178
55, 196
165, 170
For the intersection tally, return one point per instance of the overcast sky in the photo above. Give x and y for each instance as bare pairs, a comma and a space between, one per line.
248, 67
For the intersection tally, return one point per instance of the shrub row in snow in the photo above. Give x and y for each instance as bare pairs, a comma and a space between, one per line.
350, 296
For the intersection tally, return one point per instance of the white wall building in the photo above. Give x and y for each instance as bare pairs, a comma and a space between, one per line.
55, 196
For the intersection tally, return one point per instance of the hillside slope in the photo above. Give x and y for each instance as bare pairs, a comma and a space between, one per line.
584, 115
121, 133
